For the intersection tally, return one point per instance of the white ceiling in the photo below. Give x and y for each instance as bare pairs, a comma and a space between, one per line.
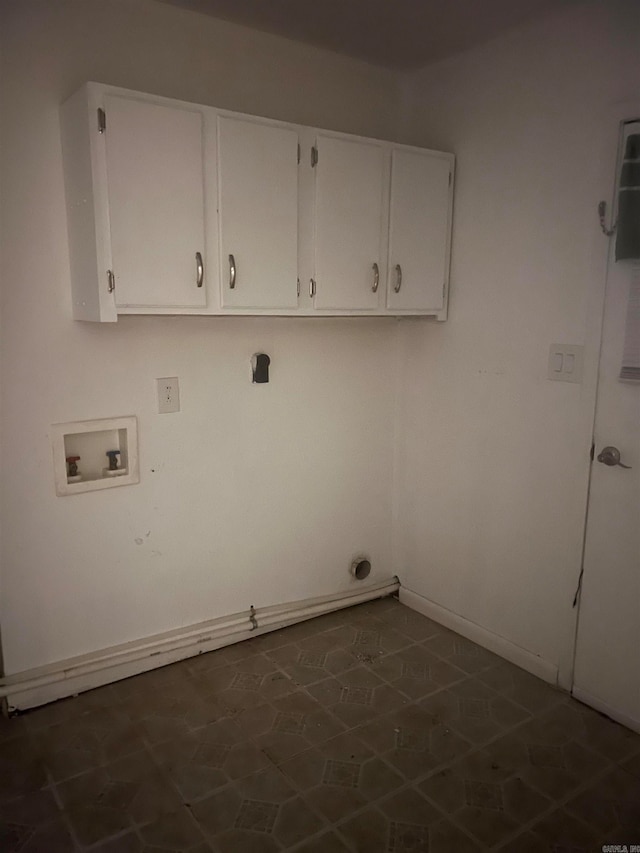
402, 34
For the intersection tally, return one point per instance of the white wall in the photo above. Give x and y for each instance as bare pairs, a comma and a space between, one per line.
494, 461
250, 495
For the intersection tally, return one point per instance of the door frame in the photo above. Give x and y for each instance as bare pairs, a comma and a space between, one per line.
612, 121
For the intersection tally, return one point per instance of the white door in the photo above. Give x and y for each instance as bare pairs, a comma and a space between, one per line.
155, 179
607, 667
348, 223
419, 230
258, 214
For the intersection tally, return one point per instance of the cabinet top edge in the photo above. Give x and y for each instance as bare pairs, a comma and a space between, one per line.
95, 90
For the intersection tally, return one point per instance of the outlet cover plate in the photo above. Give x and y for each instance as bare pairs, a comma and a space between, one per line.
168, 395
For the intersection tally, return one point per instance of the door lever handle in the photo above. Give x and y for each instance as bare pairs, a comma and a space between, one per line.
611, 456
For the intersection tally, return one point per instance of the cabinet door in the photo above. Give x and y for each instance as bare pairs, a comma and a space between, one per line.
348, 223
258, 214
419, 230
155, 186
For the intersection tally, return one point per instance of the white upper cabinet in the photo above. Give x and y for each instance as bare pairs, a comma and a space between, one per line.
258, 214
175, 208
134, 182
349, 191
419, 229
155, 187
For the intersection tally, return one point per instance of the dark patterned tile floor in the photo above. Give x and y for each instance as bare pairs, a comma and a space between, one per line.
369, 730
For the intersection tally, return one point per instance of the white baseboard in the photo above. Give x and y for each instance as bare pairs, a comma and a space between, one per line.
493, 642
35, 687
599, 705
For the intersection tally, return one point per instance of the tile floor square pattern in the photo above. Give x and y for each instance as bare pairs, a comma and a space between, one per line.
369, 730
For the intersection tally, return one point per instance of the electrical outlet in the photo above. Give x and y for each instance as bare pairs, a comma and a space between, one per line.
168, 395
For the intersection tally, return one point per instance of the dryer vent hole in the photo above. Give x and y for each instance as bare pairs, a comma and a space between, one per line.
361, 569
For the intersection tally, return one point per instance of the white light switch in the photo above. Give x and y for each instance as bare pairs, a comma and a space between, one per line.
168, 395
565, 363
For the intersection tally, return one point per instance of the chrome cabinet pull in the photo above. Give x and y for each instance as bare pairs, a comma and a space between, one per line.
312, 288
111, 281
232, 272
376, 278
398, 283
199, 270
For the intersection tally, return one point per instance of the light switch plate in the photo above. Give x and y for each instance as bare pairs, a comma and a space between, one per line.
565, 363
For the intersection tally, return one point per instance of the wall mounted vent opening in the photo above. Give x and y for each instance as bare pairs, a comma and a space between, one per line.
361, 568
260, 362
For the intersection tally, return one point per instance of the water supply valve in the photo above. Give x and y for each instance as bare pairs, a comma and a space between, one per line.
113, 459
113, 470
73, 475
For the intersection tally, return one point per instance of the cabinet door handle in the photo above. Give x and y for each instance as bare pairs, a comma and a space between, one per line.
398, 283
199, 270
312, 288
376, 278
232, 272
